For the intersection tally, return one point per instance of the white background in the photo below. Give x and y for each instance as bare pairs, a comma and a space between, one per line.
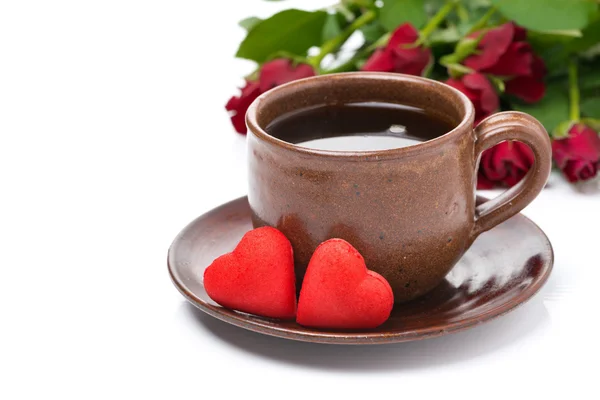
114, 137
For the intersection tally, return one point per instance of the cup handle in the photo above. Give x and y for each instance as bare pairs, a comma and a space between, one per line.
524, 128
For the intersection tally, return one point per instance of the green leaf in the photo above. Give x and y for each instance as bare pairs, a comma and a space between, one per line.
333, 26
475, 4
548, 39
286, 54
249, 23
462, 12
396, 12
591, 107
372, 31
547, 15
464, 48
552, 110
457, 70
552, 46
293, 31
592, 123
592, 52
571, 33
589, 81
590, 37
446, 35
498, 83
433, 6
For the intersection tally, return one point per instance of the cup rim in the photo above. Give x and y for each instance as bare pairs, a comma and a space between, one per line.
466, 124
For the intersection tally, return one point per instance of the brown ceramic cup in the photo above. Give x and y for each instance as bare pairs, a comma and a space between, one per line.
410, 211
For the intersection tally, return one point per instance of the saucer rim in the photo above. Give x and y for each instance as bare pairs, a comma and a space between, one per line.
265, 325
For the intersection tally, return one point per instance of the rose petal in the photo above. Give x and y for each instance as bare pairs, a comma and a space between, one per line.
272, 73
483, 183
381, 60
582, 142
411, 61
481, 93
516, 61
488, 102
398, 57
280, 71
491, 46
457, 84
531, 88
579, 170
506, 163
526, 88
404, 34
538, 68
488, 167
520, 33
238, 105
578, 155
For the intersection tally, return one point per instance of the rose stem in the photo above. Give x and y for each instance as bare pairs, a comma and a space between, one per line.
436, 20
482, 21
574, 112
334, 43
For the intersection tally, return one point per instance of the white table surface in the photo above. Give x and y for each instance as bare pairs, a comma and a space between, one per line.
114, 137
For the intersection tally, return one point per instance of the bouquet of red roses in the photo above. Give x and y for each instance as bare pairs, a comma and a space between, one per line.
541, 57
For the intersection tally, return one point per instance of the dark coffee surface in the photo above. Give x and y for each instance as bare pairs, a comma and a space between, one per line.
358, 126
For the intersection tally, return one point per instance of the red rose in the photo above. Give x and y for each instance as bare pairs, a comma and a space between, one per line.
529, 88
503, 51
504, 165
481, 93
399, 56
578, 154
272, 73
239, 105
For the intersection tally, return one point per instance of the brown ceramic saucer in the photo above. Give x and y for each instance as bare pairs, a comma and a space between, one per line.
504, 268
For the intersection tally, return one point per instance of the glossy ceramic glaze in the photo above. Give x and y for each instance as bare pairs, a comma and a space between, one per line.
503, 268
409, 211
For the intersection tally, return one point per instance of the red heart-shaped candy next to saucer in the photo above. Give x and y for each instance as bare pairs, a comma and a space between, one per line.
257, 277
340, 292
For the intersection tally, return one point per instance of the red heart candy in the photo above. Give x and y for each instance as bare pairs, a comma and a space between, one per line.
257, 277
340, 292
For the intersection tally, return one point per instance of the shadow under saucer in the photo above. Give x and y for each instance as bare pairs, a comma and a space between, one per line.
450, 349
